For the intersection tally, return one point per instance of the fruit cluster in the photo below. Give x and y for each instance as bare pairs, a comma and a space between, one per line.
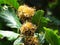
27, 29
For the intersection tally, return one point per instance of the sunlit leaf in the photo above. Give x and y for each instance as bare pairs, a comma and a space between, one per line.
8, 34
51, 37
18, 41
10, 18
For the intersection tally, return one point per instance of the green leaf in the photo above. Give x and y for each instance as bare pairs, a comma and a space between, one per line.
0, 36
40, 20
45, 20
8, 34
37, 17
10, 18
12, 3
51, 37
18, 41
1, 1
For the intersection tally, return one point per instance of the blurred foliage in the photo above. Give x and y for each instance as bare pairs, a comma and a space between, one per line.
8, 35
52, 37
40, 20
12, 3
10, 18
46, 18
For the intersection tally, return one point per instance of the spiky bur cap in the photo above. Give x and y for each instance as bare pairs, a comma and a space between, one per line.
25, 12
28, 29
31, 40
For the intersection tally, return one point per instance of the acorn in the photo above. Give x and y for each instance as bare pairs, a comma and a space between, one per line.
31, 40
25, 12
28, 29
